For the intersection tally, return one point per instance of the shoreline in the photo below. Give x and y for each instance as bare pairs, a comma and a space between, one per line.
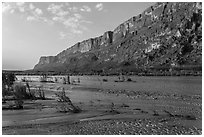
179, 113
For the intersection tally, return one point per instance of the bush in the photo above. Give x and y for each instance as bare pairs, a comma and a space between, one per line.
7, 82
31, 94
124, 105
19, 104
105, 80
129, 79
20, 92
41, 93
112, 109
65, 104
5, 92
8, 79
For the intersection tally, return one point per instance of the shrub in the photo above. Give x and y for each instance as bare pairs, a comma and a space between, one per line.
18, 104
4, 91
8, 79
124, 105
41, 93
65, 104
64, 80
155, 113
20, 92
129, 79
31, 94
112, 109
7, 82
105, 80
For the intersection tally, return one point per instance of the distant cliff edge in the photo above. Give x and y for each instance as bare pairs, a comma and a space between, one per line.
165, 37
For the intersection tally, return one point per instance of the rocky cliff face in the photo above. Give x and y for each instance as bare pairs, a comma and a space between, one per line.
166, 35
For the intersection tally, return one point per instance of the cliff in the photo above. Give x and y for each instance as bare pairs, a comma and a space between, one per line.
166, 35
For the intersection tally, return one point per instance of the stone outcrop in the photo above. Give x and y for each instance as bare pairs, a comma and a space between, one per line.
47, 60
164, 35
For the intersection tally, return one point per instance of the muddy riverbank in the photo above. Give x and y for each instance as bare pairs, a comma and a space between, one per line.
137, 109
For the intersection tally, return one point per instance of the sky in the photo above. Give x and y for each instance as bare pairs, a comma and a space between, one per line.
34, 29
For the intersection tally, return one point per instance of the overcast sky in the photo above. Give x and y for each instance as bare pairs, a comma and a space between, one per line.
31, 30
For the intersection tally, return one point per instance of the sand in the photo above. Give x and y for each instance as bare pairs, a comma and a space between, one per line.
113, 108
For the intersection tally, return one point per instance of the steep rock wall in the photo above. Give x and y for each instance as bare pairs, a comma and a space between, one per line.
164, 34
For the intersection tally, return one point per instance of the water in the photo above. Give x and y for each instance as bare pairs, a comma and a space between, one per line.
180, 85
185, 85
190, 85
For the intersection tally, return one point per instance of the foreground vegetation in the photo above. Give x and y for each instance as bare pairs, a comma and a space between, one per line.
19, 92
109, 105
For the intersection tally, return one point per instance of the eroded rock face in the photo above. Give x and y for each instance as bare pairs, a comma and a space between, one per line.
164, 35
46, 60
